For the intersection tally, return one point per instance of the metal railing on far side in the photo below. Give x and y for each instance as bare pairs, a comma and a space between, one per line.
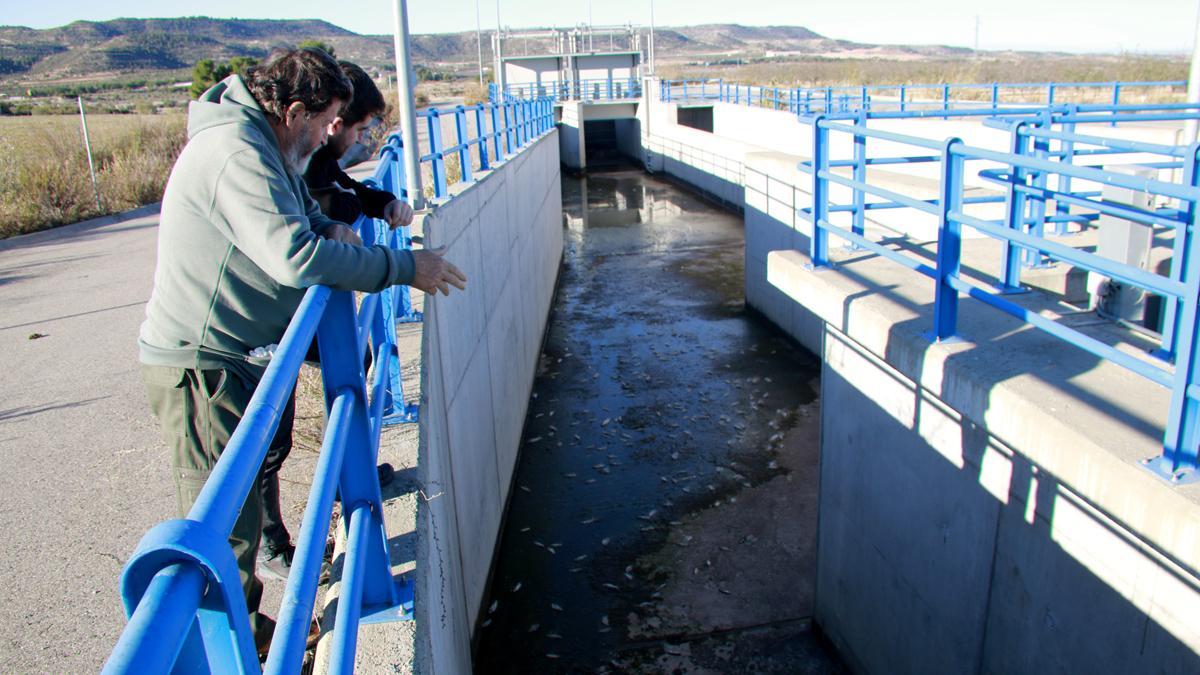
954, 211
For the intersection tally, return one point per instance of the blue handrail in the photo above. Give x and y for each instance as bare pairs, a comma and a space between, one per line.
898, 97
1026, 175
508, 126
181, 588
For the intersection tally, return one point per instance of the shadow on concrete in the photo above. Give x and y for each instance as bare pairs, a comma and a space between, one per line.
24, 411
139, 303
1022, 601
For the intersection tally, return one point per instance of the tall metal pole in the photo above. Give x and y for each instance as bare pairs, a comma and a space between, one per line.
653, 72
408, 117
499, 75
87, 144
479, 41
1193, 93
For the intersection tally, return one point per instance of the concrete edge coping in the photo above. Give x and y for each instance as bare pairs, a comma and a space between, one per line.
1078, 442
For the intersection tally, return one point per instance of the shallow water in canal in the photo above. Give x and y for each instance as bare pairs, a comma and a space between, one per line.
663, 517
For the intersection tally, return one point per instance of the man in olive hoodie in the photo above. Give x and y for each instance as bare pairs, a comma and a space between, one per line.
240, 240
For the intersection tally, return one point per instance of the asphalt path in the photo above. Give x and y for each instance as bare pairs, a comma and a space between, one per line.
84, 474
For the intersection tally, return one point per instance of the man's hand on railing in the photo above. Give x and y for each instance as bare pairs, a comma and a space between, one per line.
342, 233
398, 213
434, 273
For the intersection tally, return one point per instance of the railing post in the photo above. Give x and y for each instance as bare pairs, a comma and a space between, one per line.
372, 583
1014, 210
1179, 462
481, 136
464, 148
949, 250
1064, 181
509, 118
818, 244
903, 103
860, 175
1181, 256
828, 100
685, 94
1116, 98
1041, 179
995, 96
1050, 95
945, 97
438, 163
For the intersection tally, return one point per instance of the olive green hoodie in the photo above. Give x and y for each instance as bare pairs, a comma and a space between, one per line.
238, 242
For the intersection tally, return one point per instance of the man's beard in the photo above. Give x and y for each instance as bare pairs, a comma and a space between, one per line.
298, 163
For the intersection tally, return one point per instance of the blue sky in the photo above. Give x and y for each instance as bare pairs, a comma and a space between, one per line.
1071, 25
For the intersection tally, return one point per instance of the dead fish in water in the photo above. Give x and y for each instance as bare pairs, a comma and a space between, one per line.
517, 587
553, 636
534, 627
535, 439
525, 529
611, 587
492, 609
551, 655
589, 521
570, 475
556, 607
538, 543
486, 623
581, 557
604, 541
604, 619
606, 421
525, 488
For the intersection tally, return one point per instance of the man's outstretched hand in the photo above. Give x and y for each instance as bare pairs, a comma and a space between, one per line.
434, 273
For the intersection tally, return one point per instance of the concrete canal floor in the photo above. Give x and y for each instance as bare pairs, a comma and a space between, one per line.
664, 514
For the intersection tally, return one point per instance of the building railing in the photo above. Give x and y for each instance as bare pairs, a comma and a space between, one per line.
911, 97
594, 89
1026, 175
181, 589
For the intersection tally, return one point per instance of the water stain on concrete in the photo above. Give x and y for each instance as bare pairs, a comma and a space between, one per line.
663, 516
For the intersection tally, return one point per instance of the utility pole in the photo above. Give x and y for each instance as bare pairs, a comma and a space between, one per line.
479, 42
408, 117
652, 70
498, 76
1193, 93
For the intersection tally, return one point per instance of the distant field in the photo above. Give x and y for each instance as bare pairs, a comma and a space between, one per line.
44, 179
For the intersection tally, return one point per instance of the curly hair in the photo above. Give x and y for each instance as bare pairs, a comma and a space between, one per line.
309, 76
367, 101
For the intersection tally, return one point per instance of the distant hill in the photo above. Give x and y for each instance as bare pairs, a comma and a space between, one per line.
96, 50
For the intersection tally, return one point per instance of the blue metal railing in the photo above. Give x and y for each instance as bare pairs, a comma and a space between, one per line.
181, 589
504, 126
1026, 174
593, 89
904, 97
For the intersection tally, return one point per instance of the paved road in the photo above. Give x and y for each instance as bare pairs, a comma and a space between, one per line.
84, 474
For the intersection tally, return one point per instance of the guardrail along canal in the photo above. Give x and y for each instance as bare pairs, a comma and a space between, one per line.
663, 517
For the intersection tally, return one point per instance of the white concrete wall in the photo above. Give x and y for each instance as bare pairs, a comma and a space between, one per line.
531, 72
480, 350
605, 66
572, 148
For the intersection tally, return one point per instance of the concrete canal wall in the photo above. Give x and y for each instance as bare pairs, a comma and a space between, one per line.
983, 508
480, 351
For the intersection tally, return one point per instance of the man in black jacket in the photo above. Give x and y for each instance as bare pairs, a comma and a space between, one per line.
343, 199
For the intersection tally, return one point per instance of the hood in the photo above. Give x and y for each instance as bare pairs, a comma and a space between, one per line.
226, 102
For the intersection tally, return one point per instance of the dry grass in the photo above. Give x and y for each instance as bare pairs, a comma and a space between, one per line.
44, 179
826, 72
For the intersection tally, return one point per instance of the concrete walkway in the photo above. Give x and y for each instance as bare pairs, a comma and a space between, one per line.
84, 473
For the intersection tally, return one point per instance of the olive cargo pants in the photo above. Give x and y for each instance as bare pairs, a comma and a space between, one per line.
197, 411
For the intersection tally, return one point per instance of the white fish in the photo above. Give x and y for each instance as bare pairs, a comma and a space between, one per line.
517, 587
556, 607
495, 604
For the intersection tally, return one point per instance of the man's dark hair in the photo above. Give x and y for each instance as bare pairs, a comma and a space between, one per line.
308, 75
367, 101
